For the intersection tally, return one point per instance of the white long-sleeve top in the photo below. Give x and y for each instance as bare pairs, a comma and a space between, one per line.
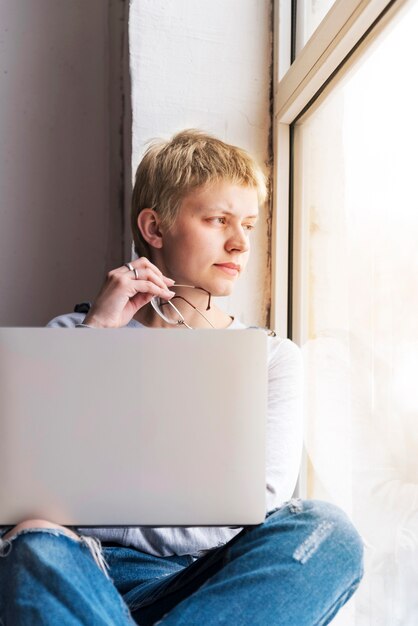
283, 452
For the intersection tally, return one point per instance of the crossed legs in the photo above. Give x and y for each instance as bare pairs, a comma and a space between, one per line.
297, 568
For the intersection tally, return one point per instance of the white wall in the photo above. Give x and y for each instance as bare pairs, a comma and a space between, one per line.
60, 224
206, 64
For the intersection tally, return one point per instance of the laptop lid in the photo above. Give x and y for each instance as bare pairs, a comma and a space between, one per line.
133, 427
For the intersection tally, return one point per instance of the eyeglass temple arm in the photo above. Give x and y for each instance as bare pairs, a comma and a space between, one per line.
190, 304
195, 287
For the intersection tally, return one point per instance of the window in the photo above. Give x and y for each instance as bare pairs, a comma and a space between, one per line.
309, 14
346, 136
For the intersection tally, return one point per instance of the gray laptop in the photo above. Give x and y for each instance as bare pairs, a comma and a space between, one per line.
133, 427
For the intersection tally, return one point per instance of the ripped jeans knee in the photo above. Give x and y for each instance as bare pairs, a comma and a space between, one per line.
91, 543
317, 527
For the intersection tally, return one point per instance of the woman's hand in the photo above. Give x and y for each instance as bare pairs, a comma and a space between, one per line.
122, 294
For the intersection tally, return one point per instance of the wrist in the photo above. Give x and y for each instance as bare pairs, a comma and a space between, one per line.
91, 322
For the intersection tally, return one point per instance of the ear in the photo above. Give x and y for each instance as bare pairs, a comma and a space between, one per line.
149, 227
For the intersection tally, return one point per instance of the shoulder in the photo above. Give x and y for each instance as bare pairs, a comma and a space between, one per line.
285, 361
282, 353
68, 320
283, 349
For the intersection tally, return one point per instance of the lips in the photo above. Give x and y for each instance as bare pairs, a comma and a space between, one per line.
228, 268
231, 266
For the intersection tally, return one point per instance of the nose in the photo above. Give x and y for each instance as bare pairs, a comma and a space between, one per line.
238, 240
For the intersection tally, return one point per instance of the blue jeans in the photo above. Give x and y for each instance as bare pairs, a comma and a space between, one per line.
297, 568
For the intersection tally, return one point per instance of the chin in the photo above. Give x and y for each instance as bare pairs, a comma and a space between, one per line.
222, 290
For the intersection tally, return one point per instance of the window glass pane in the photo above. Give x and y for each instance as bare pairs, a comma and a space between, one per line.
356, 302
309, 14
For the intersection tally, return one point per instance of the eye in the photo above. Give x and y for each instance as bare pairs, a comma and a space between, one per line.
248, 227
217, 220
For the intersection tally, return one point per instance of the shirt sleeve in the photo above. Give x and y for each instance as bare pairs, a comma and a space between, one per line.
69, 320
284, 420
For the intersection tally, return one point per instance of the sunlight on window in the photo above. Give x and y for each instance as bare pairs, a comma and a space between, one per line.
357, 233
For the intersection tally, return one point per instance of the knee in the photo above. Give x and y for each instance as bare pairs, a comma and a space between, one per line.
32, 548
38, 559
36, 542
331, 528
342, 526
34, 524
323, 530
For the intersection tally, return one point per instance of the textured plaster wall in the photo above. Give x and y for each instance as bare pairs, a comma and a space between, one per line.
206, 64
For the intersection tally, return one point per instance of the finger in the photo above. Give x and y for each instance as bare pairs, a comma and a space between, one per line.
147, 286
151, 276
169, 281
139, 273
163, 281
126, 283
145, 263
141, 299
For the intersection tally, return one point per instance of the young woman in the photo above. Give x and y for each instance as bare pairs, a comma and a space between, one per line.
195, 203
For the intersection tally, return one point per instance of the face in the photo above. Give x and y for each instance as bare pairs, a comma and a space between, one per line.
209, 244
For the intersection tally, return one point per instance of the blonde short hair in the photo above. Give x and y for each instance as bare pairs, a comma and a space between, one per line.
190, 159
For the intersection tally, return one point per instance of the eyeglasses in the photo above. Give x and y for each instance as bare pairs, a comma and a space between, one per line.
168, 311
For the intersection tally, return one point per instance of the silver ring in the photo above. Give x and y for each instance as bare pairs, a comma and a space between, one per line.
130, 267
136, 273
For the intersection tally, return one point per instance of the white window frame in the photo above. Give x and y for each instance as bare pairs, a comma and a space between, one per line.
295, 85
